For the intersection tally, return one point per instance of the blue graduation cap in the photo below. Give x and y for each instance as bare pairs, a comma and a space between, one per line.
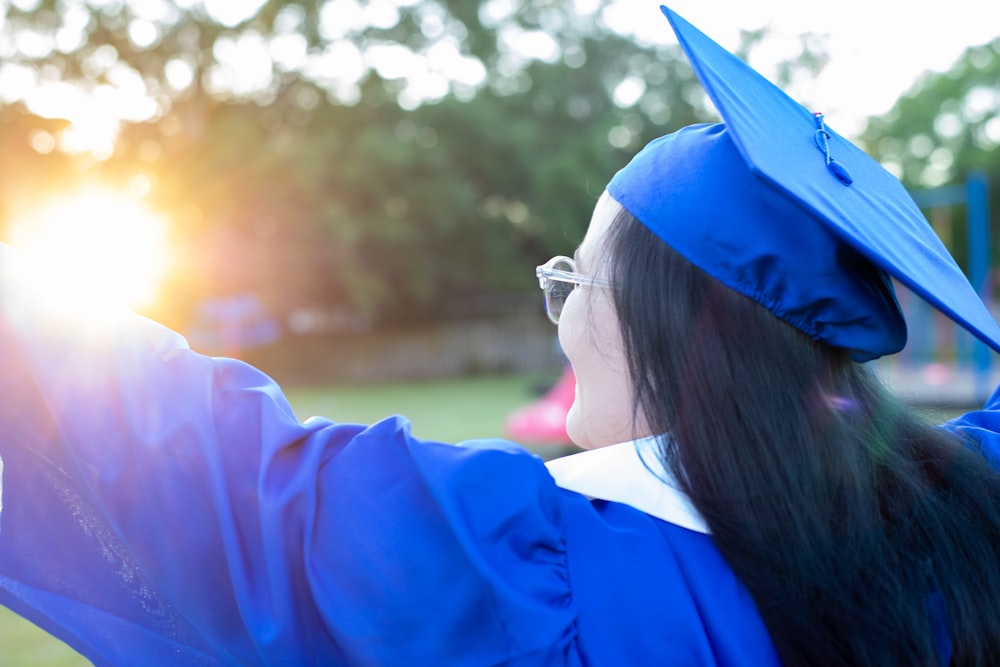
779, 207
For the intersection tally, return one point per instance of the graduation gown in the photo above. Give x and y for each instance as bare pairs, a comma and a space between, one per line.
160, 507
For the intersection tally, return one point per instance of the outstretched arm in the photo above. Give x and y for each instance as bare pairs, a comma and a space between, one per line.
161, 504
133, 521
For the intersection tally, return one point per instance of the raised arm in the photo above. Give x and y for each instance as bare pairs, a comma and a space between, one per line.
163, 504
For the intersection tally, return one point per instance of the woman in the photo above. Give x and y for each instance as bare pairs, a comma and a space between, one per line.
858, 530
751, 496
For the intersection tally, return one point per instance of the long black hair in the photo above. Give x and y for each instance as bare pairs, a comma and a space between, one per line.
861, 531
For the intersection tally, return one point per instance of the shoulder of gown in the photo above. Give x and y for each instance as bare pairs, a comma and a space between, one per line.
981, 429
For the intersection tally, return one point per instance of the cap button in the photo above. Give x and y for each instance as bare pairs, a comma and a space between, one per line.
840, 171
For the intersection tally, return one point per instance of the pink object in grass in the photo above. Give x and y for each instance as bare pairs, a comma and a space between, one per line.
544, 421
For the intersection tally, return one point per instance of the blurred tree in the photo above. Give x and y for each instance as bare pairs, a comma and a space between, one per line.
387, 158
30, 164
947, 125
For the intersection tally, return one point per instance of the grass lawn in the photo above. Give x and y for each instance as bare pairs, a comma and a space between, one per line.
449, 411
445, 410
24, 645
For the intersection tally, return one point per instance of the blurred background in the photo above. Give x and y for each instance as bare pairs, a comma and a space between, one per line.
353, 194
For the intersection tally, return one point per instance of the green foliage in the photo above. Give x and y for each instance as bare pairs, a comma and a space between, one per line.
309, 196
947, 125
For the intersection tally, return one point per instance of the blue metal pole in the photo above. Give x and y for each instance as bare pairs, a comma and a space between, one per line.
977, 207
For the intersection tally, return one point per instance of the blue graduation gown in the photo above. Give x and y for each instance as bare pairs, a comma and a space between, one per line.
160, 507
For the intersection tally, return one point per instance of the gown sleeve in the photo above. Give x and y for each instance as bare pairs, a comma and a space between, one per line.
981, 429
160, 507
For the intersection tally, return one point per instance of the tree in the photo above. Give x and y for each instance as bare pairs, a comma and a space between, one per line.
947, 125
387, 159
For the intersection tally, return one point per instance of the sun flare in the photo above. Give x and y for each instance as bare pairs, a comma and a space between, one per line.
96, 245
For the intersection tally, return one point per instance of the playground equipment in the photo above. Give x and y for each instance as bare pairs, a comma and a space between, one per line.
941, 362
543, 421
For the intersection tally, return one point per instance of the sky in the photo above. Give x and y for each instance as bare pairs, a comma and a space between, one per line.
878, 48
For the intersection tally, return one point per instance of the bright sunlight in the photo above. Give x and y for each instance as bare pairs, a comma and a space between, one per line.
96, 246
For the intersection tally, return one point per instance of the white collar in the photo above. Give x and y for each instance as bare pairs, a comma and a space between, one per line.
620, 473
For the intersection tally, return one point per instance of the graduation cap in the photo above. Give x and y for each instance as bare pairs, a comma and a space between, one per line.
779, 207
